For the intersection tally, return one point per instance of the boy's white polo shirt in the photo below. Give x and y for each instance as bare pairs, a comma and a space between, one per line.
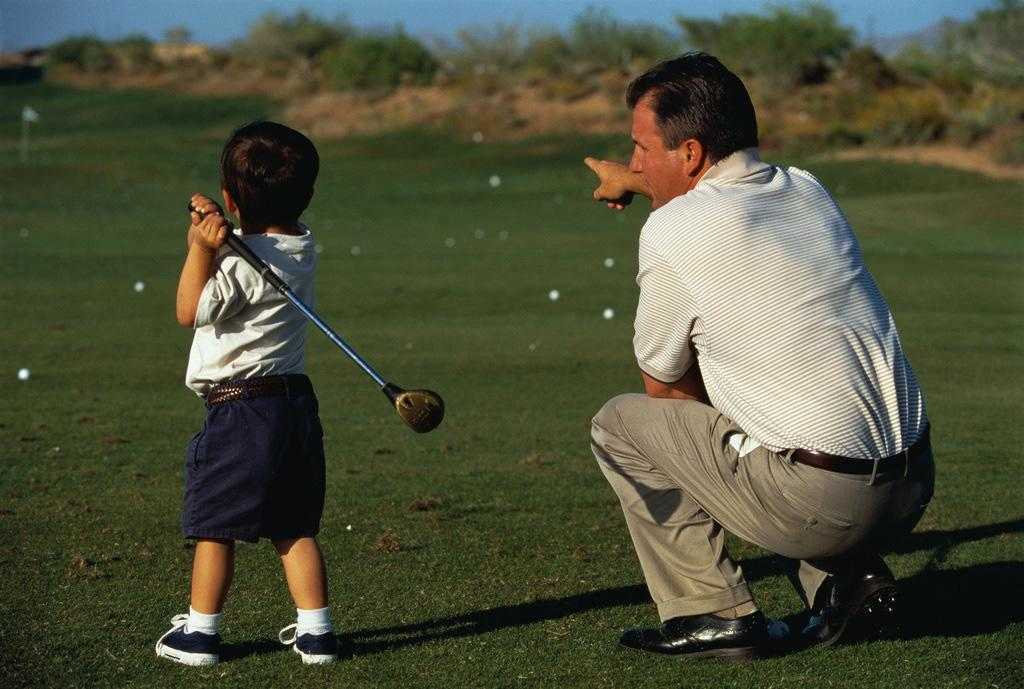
244, 328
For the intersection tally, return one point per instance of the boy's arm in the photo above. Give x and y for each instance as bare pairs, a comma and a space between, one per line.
204, 238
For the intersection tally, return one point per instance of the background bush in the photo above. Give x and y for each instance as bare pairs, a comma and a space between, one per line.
87, 53
785, 47
379, 61
275, 37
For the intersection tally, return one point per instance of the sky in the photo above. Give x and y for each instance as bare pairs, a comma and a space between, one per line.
29, 23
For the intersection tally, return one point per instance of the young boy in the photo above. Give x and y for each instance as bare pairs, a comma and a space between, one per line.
256, 470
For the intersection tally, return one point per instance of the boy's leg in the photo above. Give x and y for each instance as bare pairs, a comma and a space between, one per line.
193, 639
213, 568
305, 571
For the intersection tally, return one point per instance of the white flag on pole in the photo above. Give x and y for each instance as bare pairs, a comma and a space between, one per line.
29, 115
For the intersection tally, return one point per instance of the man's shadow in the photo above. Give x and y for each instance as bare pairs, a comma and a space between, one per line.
952, 602
971, 600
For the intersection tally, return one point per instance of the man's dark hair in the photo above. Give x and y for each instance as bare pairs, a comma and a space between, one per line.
269, 170
694, 96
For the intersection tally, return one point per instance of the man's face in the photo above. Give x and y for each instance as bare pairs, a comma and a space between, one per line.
661, 168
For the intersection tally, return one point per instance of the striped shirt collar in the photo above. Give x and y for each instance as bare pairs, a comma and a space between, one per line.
735, 166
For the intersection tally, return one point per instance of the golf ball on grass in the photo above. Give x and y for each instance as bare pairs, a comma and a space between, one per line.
608, 314
503, 235
23, 374
478, 137
479, 234
139, 286
494, 181
609, 262
23, 232
355, 251
450, 242
553, 295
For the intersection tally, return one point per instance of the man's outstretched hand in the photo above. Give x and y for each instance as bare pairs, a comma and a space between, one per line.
617, 184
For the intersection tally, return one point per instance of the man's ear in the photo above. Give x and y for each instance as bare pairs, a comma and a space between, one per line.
229, 203
692, 156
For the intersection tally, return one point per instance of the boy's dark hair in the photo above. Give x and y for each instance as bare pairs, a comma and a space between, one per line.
269, 170
694, 96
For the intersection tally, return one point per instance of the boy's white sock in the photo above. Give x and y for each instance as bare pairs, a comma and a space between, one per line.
201, 622
313, 621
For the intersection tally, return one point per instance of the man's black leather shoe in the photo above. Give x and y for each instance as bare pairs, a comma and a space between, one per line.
860, 606
703, 636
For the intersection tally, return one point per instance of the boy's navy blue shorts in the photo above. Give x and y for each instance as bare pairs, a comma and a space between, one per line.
256, 470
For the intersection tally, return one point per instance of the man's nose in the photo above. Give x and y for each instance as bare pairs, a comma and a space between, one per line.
634, 163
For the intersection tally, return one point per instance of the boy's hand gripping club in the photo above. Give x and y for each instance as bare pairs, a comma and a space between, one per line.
421, 410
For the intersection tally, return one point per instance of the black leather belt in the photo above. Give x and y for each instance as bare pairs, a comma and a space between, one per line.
266, 386
896, 464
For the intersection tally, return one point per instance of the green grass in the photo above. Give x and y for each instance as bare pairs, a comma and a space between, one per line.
524, 574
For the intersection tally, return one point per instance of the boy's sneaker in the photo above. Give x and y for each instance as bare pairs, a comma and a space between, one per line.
315, 649
188, 648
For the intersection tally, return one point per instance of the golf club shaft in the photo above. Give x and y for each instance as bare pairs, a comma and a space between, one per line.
247, 254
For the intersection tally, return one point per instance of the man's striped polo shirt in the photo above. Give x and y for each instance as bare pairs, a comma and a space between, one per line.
756, 274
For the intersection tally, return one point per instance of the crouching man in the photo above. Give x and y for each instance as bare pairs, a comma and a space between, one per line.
779, 403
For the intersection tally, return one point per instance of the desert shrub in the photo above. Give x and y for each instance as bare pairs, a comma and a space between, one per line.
905, 116
547, 53
1010, 147
134, 52
867, 69
597, 38
276, 37
86, 53
786, 47
987, 47
480, 50
379, 61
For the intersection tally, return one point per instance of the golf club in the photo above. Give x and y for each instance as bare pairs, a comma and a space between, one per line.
421, 410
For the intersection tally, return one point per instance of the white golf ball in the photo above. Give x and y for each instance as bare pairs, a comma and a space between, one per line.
319, 248
479, 234
609, 262
23, 374
494, 181
24, 233
355, 251
533, 346
139, 286
348, 528
450, 242
553, 295
478, 137
503, 235
608, 314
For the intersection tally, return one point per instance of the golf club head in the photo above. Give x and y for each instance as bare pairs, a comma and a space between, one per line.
421, 410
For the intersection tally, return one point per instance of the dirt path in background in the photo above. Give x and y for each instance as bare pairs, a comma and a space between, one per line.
948, 156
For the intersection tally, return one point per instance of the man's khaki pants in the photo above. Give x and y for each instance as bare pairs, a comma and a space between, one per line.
680, 482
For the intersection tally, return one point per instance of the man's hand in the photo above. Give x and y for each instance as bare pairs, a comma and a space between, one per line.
617, 183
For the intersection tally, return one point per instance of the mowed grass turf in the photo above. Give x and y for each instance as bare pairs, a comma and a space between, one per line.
490, 552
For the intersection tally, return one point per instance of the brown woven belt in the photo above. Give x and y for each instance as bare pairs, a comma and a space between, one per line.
848, 465
267, 386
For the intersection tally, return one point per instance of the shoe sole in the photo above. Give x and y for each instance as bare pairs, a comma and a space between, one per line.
315, 659
186, 658
737, 655
873, 617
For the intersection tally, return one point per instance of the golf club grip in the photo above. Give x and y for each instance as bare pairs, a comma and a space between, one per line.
259, 265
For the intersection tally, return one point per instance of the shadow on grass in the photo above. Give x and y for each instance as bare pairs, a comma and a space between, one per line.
955, 602
366, 641
251, 648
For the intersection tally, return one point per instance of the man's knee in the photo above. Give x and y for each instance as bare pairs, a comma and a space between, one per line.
609, 422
